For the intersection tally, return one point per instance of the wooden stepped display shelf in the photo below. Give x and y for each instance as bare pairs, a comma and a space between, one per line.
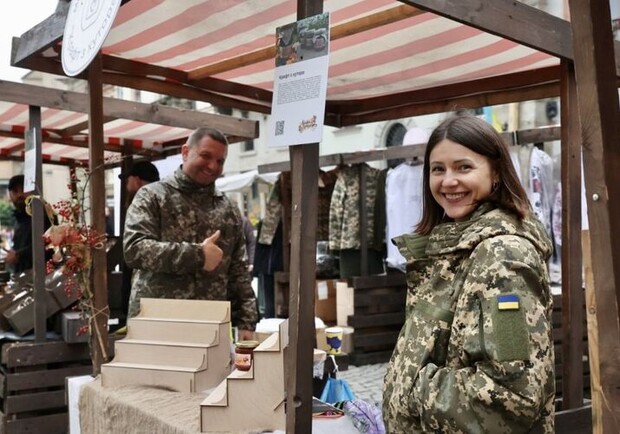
183, 345
254, 399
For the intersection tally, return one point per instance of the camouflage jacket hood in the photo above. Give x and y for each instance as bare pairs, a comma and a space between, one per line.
467, 361
183, 183
487, 222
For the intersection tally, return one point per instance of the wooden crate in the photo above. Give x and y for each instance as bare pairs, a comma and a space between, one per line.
32, 384
379, 314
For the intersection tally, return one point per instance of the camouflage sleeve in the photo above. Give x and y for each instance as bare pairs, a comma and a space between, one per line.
142, 244
504, 380
240, 293
336, 213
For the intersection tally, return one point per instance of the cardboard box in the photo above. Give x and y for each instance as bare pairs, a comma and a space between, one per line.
325, 301
347, 339
321, 342
20, 314
344, 303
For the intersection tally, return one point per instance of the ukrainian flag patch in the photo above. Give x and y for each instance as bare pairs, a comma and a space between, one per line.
508, 302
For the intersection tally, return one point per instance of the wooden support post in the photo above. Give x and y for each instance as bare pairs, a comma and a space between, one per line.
593, 347
97, 211
302, 282
599, 113
572, 288
38, 214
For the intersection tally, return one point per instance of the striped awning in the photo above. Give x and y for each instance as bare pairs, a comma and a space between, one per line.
388, 60
412, 50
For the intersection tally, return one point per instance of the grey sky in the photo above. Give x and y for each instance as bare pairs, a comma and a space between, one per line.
16, 17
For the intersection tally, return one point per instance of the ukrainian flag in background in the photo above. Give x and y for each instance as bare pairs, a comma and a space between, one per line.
490, 117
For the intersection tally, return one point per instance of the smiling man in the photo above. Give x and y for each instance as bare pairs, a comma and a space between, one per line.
185, 239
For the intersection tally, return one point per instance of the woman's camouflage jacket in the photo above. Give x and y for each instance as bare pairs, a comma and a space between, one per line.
475, 354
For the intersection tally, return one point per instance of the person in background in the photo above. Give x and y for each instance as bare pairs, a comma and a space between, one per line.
185, 239
140, 174
476, 351
250, 241
19, 257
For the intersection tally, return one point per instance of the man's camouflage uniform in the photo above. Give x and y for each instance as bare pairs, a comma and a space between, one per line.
469, 359
165, 226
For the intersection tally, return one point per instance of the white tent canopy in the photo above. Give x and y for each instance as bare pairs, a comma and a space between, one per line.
241, 181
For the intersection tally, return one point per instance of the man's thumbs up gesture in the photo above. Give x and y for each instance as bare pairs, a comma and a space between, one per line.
213, 254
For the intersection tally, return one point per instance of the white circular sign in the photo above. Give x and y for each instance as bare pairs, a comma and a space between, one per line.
87, 26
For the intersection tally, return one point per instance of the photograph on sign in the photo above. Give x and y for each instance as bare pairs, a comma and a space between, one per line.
300, 82
88, 24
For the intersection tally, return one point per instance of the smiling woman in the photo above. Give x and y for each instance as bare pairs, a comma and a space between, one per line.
460, 178
476, 352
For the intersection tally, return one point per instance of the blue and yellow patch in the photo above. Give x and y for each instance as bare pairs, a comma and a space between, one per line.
508, 302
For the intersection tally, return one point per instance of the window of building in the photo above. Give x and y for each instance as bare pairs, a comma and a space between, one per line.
394, 137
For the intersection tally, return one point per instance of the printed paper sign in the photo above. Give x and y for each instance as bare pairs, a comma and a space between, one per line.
300, 82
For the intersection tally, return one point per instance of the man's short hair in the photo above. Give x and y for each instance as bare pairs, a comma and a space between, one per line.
201, 132
145, 170
16, 182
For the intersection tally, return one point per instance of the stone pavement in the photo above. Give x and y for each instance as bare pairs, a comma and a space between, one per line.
366, 381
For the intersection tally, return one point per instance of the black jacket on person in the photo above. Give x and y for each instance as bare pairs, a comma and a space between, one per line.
22, 240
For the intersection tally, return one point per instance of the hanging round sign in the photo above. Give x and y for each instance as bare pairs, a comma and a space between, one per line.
88, 24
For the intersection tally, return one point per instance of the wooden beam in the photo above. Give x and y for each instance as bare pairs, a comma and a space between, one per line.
593, 346
69, 141
513, 20
508, 19
302, 287
572, 288
42, 36
81, 126
138, 69
48, 33
546, 90
349, 28
532, 135
597, 97
488, 85
100, 311
38, 224
182, 91
148, 113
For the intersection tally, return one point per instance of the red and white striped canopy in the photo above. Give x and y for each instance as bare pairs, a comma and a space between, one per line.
378, 48
421, 51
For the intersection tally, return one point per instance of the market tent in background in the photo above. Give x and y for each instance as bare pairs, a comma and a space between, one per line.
243, 181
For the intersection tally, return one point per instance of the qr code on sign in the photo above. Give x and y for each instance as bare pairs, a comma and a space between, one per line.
279, 128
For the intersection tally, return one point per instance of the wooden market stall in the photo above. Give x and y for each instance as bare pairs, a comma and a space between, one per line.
32, 373
395, 59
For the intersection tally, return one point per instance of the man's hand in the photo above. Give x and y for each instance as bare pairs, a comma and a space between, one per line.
213, 254
11, 257
245, 335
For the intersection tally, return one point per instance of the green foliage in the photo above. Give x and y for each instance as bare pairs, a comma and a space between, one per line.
6, 213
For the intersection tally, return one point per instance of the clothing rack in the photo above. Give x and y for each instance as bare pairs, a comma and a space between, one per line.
512, 138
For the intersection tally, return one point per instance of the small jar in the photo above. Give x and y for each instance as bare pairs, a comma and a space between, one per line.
243, 354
